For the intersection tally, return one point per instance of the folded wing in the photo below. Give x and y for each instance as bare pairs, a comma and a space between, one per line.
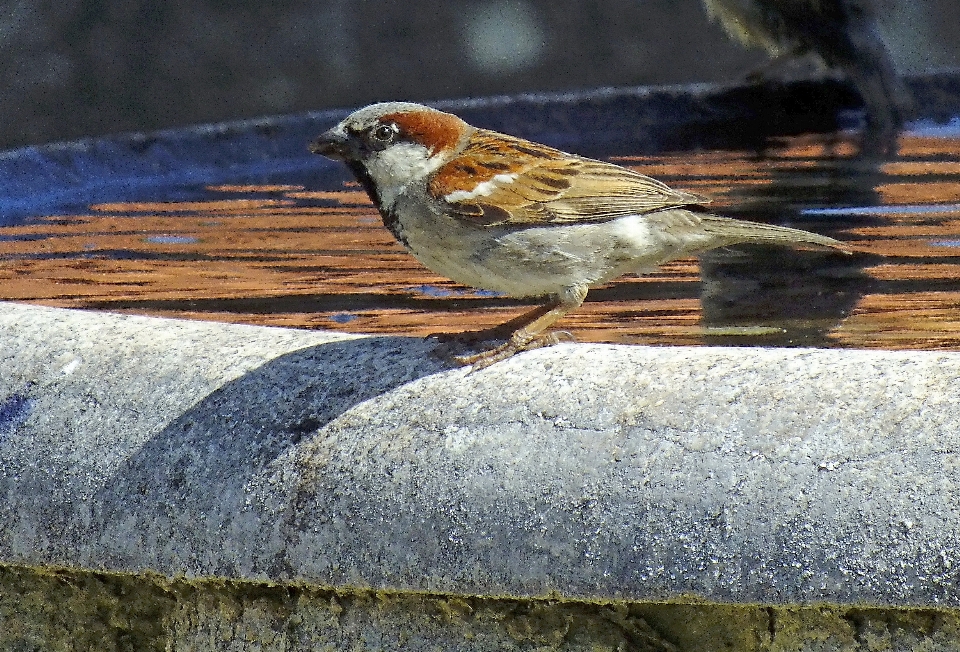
500, 180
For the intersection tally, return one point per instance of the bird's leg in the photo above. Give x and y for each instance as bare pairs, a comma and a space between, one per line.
500, 331
532, 334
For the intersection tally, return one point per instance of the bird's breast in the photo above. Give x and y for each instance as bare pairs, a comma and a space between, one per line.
523, 261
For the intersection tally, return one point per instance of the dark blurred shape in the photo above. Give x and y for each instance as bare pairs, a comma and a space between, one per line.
844, 35
89, 67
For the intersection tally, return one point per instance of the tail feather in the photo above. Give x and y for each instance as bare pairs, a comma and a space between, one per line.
728, 231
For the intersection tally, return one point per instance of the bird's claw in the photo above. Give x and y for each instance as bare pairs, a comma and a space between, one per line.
511, 347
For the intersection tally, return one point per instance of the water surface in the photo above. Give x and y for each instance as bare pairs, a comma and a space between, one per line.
310, 256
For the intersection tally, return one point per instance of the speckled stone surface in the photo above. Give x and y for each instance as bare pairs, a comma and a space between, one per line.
587, 472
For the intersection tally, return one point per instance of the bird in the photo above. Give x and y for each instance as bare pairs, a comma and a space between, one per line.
843, 34
508, 215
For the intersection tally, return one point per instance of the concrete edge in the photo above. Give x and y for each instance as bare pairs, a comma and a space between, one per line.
588, 472
178, 163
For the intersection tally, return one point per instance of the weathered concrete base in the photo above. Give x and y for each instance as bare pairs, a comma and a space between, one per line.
218, 487
48, 609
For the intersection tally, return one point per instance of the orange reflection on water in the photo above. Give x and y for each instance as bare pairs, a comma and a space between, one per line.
315, 257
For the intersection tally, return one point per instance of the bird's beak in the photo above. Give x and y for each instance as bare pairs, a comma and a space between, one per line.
333, 143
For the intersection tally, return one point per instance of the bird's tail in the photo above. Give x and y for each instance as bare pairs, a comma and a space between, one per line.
729, 231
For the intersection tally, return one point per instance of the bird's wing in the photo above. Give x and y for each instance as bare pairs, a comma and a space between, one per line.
499, 179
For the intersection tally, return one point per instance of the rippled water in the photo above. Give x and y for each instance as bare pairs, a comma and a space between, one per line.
318, 257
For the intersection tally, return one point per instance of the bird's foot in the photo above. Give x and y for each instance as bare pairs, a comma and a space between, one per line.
473, 337
512, 346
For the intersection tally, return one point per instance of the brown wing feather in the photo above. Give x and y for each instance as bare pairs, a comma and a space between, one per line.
514, 181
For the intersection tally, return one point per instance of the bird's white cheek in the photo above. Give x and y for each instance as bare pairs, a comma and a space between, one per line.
394, 168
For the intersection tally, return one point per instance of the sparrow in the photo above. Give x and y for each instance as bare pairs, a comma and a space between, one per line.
501, 213
843, 34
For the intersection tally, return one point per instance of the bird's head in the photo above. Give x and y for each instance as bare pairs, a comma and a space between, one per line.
391, 145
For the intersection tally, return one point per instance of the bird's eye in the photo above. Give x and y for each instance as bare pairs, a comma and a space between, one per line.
384, 133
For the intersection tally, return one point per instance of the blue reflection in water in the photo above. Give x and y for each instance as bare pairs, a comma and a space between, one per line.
930, 128
171, 239
892, 209
434, 291
439, 292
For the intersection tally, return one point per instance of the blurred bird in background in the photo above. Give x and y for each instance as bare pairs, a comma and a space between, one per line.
94, 67
843, 35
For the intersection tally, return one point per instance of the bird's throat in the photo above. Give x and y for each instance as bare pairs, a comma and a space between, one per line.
387, 214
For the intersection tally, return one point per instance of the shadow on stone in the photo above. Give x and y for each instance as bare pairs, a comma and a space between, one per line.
200, 464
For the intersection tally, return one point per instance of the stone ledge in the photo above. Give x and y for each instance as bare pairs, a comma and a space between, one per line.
595, 122
586, 472
583, 472
199, 486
